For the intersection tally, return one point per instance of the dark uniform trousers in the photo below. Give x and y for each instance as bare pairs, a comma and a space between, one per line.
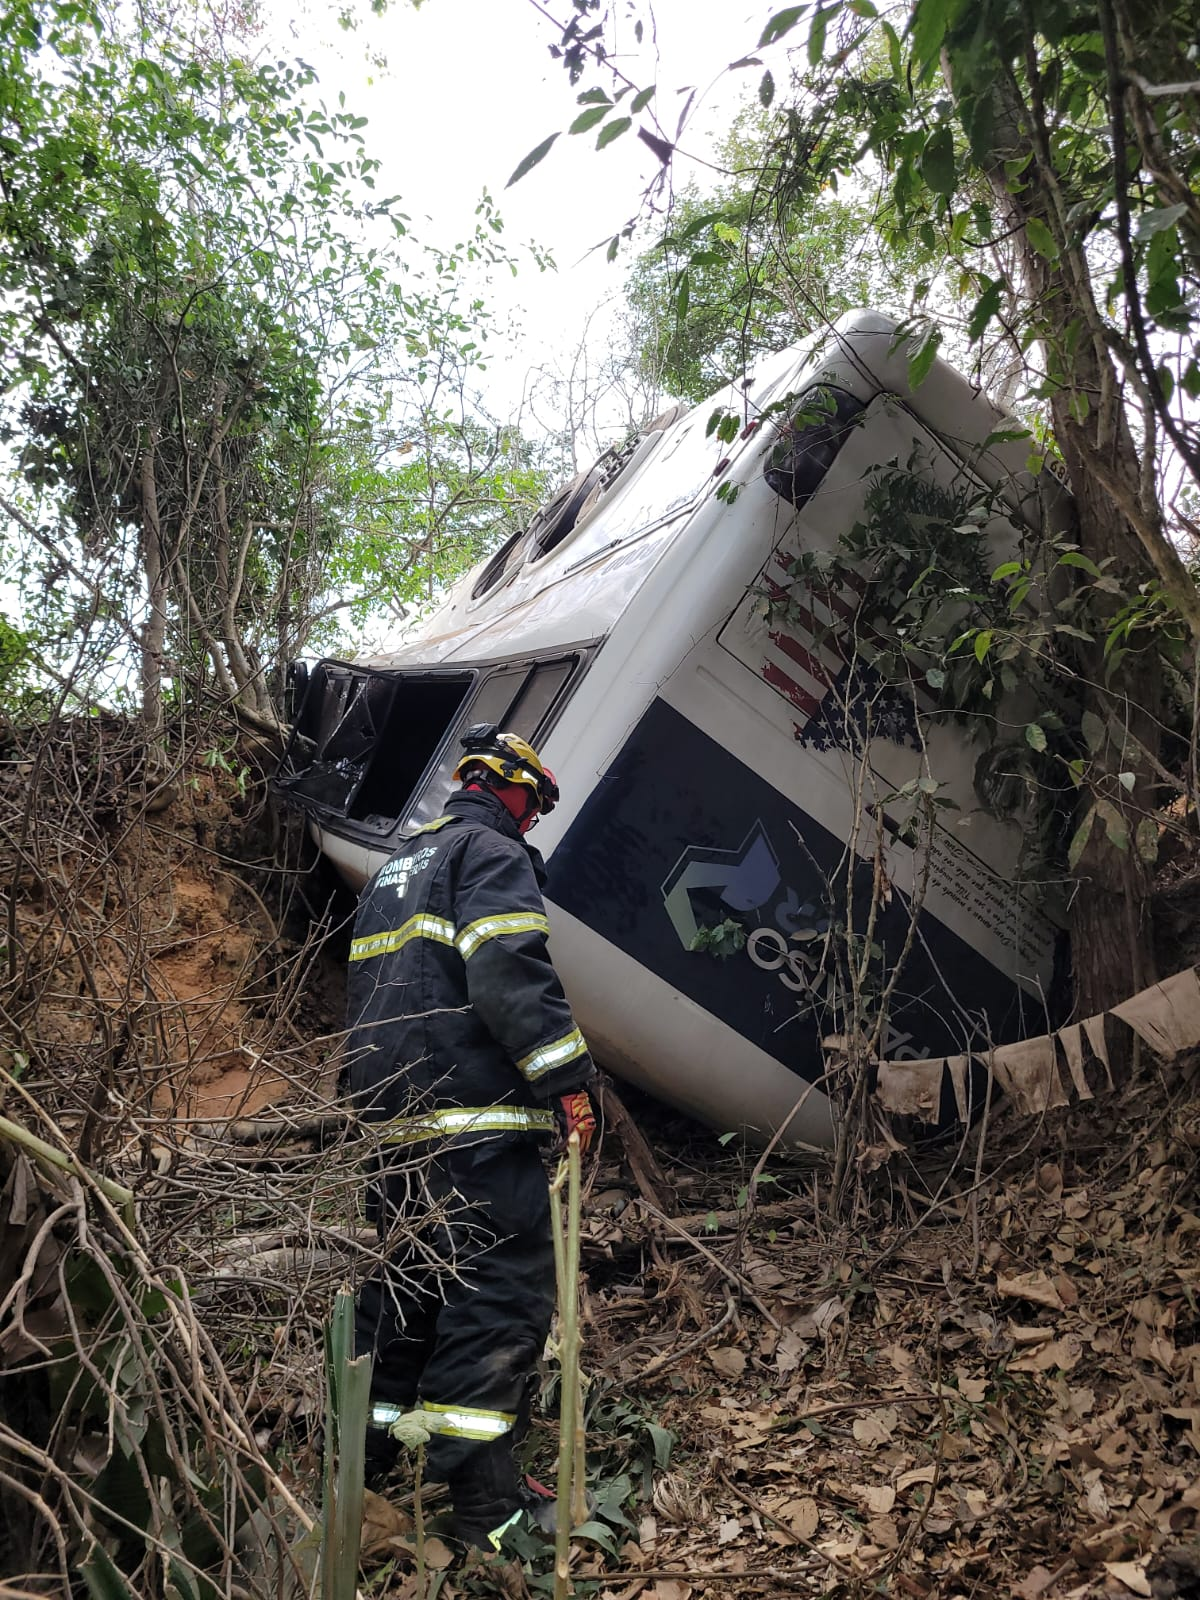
458, 1319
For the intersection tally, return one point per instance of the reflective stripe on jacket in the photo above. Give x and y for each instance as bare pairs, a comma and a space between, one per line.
459, 1025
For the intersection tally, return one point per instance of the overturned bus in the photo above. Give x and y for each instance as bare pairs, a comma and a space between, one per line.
721, 825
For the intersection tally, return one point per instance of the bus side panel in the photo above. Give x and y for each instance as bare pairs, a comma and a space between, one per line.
645, 1031
679, 836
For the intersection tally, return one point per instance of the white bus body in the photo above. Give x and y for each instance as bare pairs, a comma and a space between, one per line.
700, 748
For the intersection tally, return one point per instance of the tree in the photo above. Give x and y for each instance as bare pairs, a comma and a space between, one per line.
210, 317
737, 273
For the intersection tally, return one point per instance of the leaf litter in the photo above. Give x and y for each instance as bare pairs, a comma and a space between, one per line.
972, 1388
997, 1393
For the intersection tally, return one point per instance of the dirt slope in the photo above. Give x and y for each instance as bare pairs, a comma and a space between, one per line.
984, 1381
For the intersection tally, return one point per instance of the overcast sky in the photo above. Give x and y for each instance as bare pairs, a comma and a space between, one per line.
470, 88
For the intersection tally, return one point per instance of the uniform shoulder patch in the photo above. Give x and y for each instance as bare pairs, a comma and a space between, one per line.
430, 827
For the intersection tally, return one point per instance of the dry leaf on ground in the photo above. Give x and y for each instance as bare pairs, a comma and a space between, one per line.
730, 1363
382, 1522
876, 1427
1033, 1286
1131, 1574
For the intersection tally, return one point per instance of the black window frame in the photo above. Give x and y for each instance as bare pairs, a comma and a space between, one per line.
297, 759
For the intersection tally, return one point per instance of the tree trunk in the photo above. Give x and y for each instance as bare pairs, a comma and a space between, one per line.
1111, 944
154, 632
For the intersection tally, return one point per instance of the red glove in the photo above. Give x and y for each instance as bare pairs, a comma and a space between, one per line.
576, 1116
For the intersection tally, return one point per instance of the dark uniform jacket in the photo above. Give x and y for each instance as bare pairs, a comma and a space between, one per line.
459, 1022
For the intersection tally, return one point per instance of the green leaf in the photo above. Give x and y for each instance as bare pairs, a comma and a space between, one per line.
1006, 569
780, 24
1076, 558
1080, 839
538, 153
1147, 840
1041, 239
1127, 780
986, 308
929, 29
1092, 729
589, 118
104, 1581
937, 161
1162, 270
893, 44
1152, 222
1005, 436
919, 364
597, 1533
613, 130
592, 97
1115, 824
935, 677
698, 224
663, 1441
682, 296
642, 99
1035, 736
983, 643
766, 89
816, 35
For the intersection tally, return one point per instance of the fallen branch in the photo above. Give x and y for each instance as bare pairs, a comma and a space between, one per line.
660, 1363
63, 1161
256, 1130
647, 1174
786, 1575
739, 1283
769, 1516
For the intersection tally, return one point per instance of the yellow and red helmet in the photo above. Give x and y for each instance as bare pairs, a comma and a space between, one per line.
510, 759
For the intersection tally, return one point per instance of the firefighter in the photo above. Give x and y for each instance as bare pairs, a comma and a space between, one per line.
464, 1055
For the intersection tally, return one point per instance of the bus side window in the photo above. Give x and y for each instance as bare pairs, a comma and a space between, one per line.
538, 694
494, 694
518, 698
808, 447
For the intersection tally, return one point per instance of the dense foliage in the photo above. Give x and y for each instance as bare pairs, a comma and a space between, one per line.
240, 397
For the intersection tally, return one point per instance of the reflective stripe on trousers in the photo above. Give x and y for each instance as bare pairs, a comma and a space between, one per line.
452, 1422
465, 1119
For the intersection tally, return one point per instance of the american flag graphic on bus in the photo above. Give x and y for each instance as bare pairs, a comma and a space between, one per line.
806, 650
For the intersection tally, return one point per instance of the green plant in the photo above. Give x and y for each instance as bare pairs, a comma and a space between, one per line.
722, 940
572, 1458
347, 1402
